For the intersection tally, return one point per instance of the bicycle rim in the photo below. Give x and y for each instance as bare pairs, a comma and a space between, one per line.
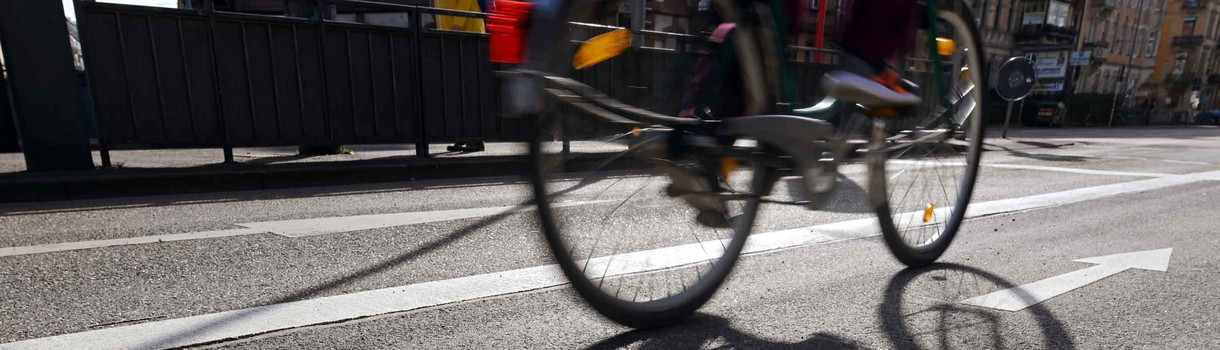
627, 223
924, 183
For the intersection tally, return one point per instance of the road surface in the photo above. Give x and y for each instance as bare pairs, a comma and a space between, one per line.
309, 268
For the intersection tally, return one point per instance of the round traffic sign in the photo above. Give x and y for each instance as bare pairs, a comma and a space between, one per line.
1016, 79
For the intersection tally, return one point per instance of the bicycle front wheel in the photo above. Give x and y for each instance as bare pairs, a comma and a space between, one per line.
646, 233
923, 169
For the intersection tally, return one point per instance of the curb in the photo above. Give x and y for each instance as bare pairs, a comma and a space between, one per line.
95, 186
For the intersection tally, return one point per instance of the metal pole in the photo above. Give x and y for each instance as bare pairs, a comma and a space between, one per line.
638, 17
1007, 116
821, 30
1122, 88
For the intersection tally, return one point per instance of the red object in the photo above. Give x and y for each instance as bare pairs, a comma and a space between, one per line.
817, 41
507, 26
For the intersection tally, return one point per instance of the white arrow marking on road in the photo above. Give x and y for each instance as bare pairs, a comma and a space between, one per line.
1023, 296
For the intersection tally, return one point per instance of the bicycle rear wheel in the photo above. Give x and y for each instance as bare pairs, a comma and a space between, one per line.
642, 252
922, 172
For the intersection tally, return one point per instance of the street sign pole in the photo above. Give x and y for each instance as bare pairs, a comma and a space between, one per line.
1007, 116
1017, 76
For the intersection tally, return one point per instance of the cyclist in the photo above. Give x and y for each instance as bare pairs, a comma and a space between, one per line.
875, 32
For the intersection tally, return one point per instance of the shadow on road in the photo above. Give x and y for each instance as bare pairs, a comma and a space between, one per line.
705, 331
921, 310
1040, 156
170, 340
848, 196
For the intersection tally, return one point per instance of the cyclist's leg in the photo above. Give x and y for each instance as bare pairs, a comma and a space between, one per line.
875, 32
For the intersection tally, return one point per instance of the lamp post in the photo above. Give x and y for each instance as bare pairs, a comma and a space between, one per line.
1122, 78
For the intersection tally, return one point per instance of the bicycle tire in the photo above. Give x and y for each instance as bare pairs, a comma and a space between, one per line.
546, 166
895, 217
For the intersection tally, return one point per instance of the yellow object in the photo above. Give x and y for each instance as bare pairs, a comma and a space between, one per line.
635, 131
727, 166
459, 23
945, 46
601, 48
927, 212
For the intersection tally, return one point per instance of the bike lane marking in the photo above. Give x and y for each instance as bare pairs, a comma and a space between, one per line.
237, 324
320, 226
293, 228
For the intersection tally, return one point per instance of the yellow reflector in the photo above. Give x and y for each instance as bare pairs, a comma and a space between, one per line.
601, 48
945, 46
727, 166
927, 212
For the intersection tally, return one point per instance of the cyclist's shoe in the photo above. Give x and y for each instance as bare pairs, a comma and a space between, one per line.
691, 183
690, 180
871, 85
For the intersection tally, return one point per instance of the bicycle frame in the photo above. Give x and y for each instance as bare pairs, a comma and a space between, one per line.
801, 134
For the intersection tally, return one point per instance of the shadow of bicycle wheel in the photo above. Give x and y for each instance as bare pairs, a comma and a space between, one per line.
921, 311
703, 331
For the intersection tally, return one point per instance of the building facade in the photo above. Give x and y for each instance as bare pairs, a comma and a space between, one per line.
1122, 38
998, 20
1186, 69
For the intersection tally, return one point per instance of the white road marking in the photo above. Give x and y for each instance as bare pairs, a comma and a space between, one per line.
290, 228
1160, 160
1184, 162
321, 226
1026, 295
318, 226
258, 320
59, 247
909, 164
1077, 170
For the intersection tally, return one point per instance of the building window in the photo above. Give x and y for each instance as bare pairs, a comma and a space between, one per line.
1211, 26
1058, 14
1121, 36
1035, 13
1012, 15
1150, 51
1188, 26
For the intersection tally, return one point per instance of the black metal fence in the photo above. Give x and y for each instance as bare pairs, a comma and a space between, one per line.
166, 78
8, 127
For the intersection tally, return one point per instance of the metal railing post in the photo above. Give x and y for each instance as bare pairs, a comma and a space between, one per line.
421, 144
103, 142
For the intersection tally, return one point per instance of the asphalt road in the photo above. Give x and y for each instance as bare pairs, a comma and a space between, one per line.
841, 292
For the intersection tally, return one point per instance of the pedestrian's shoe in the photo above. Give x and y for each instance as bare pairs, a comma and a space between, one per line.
869, 84
471, 147
466, 147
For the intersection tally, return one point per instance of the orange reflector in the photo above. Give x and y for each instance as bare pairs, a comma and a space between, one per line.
635, 131
927, 212
886, 112
727, 166
945, 46
601, 48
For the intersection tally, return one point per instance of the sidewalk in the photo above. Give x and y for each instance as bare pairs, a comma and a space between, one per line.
154, 172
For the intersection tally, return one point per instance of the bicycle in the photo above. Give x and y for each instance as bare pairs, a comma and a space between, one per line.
596, 158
